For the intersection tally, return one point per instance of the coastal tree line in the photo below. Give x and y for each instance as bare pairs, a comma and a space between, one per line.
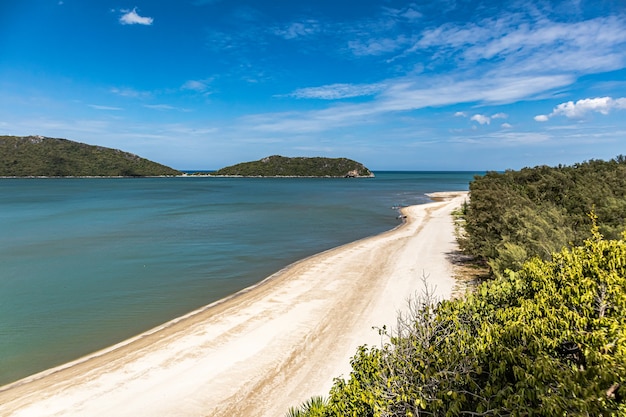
545, 335
516, 215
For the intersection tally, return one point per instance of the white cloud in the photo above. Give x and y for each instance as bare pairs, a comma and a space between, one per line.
338, 91
460, 114
506, 125
130, 17
580, 108
482, 119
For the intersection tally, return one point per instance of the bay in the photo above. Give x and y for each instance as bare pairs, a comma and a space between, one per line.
86, 263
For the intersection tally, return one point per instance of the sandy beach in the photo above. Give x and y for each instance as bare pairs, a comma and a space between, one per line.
264, 349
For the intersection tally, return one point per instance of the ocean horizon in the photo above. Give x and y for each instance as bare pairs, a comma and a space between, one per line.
86, 263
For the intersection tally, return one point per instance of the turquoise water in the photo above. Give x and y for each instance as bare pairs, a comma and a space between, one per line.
86, 263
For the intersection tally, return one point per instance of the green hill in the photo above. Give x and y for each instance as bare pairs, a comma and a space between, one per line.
48, 157
281, 166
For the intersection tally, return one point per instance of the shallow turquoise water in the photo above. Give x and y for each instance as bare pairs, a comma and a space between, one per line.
86, 263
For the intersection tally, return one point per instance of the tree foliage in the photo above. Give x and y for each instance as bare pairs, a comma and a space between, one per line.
515, 215
47, 157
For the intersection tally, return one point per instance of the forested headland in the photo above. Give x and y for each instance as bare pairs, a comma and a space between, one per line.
545, 335
38, 156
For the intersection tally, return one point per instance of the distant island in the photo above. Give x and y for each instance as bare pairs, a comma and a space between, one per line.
38, 156
281, 166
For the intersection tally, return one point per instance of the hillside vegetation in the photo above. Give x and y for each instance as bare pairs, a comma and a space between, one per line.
546, 336
281, 166
49, 157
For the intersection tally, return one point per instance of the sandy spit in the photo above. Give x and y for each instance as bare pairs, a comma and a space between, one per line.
264, 349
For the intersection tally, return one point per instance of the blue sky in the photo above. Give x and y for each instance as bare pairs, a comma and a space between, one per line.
423, 85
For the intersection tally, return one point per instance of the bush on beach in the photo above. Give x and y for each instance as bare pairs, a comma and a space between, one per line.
549, 339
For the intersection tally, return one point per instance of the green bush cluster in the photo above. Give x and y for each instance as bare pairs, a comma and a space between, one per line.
547, 340
281, 166
516, 215
36, 156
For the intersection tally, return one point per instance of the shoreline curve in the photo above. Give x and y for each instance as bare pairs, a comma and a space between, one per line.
265, 348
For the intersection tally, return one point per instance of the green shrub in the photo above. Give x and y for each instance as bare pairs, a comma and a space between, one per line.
547, 340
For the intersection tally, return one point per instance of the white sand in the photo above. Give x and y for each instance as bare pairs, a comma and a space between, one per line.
266, 349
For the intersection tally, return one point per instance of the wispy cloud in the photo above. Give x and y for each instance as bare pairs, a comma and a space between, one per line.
419, 92
164, 107
378, 46
200, 86
512, 43
294, 30
410, 13
130, 92
523, 44
521, 56
131, 17
338, 91
528, 51
518, 41
504, 138
580, 108
408, 94
98, 107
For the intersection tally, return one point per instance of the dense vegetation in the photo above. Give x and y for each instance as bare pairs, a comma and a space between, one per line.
48, 157
281, 166
516, 215
546, 337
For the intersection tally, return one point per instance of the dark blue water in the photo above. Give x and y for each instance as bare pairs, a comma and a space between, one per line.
86, 263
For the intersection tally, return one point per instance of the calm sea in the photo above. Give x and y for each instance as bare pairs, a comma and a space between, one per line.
86, 263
